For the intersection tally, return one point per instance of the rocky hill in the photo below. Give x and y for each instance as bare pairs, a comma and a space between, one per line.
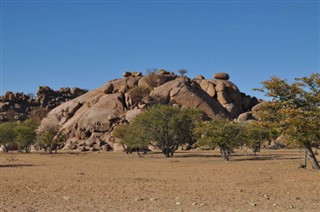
88, 121
19, 106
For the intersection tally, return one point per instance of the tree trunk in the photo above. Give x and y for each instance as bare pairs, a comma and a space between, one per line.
312, 156
166, 152
305, 157
224, 153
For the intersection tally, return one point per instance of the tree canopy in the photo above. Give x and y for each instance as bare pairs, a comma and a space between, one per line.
255, 134
220, 133
49, 138
26, 134
164, 126
7, 134
295, 108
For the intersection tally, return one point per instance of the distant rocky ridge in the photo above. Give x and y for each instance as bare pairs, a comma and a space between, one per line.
89, 120
19, 106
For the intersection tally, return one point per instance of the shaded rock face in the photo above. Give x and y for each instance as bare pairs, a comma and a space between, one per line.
227, 94
19, 106
89, 120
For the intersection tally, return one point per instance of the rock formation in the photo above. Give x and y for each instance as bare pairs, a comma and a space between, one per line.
19, 106
88, 121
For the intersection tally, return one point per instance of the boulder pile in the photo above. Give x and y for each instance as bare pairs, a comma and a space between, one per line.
19, 106
89, 120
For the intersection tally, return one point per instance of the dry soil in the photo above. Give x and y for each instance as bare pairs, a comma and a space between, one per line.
191, 181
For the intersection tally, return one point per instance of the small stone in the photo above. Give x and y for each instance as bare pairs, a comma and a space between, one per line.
274, 204
178, 203
253, 204
202, 204
291, 206
138, 199
66, 197
194, 204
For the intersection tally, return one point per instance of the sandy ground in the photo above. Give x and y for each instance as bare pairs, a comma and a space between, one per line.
191, 181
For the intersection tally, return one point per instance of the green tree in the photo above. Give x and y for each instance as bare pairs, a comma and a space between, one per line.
131, 137
255, 134
7, 135
26, 134
220, 133
49, 138
164, 126
295, 108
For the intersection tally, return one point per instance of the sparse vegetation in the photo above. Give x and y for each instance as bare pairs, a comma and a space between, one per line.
182, 72
152, 79
293, 113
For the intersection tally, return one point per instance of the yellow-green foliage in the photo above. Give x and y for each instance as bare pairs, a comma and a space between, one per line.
220, 133
46, 137
7, 134
255, 134
295, 110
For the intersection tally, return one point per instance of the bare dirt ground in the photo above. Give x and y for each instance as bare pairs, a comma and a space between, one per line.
191, 181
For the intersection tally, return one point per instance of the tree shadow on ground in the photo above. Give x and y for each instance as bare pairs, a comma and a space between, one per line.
262, 158
195, 155
238, 157
14, 165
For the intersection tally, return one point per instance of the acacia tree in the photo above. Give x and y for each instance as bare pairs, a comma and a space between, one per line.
26, 134
7, 135
255, 134
131, 137
49, 138
295, 108
220, 133
165, 126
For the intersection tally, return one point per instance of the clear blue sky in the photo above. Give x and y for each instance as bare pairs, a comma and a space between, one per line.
87, 43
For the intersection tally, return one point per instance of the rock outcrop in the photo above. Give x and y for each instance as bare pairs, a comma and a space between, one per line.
89, 120
227, 94
19, 106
